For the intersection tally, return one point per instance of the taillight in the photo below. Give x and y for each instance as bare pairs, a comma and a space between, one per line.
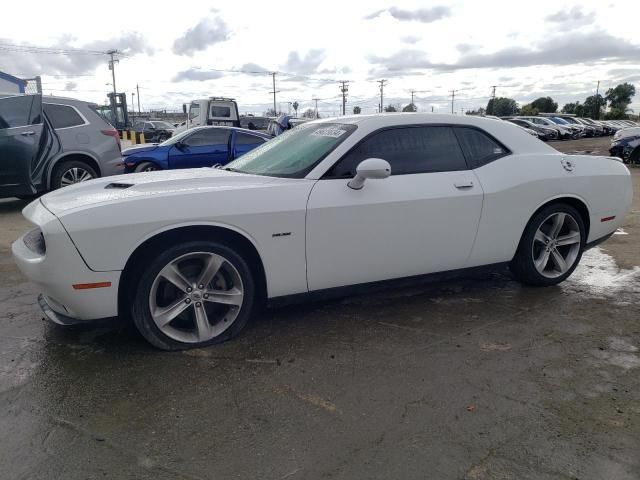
112, 132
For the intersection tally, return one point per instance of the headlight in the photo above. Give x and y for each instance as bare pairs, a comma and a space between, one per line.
34, 240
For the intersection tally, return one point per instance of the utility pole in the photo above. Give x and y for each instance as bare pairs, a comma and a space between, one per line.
493, 99
112, 67
132, 107
273, 75
316, 100
344, 89
382, 82
453, 97
598, 101
138, 95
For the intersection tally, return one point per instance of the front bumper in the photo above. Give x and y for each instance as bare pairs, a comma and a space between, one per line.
60, 270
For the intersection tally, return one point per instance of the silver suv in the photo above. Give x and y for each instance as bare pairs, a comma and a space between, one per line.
51, 142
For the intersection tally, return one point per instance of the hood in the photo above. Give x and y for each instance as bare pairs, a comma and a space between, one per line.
147, 147
161, 183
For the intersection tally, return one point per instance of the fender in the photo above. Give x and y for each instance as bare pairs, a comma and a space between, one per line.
61, 156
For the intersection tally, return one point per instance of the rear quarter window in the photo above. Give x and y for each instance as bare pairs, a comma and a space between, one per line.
479, 148
63, 116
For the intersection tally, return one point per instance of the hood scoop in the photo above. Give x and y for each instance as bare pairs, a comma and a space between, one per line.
118, 186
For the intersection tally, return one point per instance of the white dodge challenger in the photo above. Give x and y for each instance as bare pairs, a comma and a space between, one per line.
329, 205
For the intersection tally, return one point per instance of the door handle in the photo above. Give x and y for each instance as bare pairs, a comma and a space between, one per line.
463, 184
28, 134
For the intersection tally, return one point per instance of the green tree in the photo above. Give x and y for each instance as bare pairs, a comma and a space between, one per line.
593, 107
357, 110
545, 105
620, 96
295, 106
309, 113
390, 108
529, 109
502, 106
479, 112
574, 108
616, 114
410, 108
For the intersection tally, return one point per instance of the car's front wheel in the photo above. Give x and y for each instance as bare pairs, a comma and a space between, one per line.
146, 167
192, 295
551, 246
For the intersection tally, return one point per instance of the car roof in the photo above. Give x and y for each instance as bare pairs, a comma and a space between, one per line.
511, 135
237, 129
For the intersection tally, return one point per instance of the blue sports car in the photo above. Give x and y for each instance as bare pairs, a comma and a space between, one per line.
197, 147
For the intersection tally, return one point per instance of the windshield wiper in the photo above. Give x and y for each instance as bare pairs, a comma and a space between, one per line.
231, 169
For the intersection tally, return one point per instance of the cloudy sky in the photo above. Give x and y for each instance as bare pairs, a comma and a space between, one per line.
557, 48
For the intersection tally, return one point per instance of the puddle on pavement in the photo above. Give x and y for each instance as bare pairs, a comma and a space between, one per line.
599, 274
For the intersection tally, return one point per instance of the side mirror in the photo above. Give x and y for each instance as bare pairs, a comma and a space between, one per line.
179, 145
369, 168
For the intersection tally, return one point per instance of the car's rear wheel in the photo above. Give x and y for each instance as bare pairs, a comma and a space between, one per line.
192, 295
551, 246
71, 172
146, 167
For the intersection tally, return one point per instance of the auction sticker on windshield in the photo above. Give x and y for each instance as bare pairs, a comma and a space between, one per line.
332, 132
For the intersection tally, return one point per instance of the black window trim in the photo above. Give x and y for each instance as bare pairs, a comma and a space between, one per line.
325, 175
41, 116
84, 119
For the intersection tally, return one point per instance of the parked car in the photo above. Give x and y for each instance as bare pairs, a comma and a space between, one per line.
196, 147
564, 132
260, 124
51, 142
576, 129
598, 131
154, 130
544, 133
626, 132
328, 207
627, 147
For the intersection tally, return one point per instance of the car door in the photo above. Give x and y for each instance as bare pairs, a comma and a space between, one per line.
205, 147
421, 219
23, 145
245, 142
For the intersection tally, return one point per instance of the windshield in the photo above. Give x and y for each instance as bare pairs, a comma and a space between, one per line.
295, 152
178, 137
559, 121
162, 125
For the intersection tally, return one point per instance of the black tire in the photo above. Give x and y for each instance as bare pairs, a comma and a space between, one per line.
141, 312
66, 166
634, 158
522, 266
146, 167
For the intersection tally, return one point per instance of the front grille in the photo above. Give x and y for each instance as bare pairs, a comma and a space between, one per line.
34, 240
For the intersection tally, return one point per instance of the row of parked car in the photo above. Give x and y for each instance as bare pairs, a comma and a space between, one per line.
563, 127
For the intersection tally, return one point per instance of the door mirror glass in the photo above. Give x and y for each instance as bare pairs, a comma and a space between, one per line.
373, 168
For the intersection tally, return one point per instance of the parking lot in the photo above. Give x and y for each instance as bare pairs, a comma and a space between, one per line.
477, 378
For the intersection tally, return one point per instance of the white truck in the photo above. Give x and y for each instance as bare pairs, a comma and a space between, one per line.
210, 111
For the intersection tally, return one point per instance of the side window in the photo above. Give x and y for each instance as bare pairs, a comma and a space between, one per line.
408, 150
478, 147
194, 111
246, 139
20, 111
62, 116
208, 136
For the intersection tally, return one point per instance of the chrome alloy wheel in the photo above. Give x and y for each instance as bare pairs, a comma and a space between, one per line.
556, 245
150, 168
196, 297
75, 175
